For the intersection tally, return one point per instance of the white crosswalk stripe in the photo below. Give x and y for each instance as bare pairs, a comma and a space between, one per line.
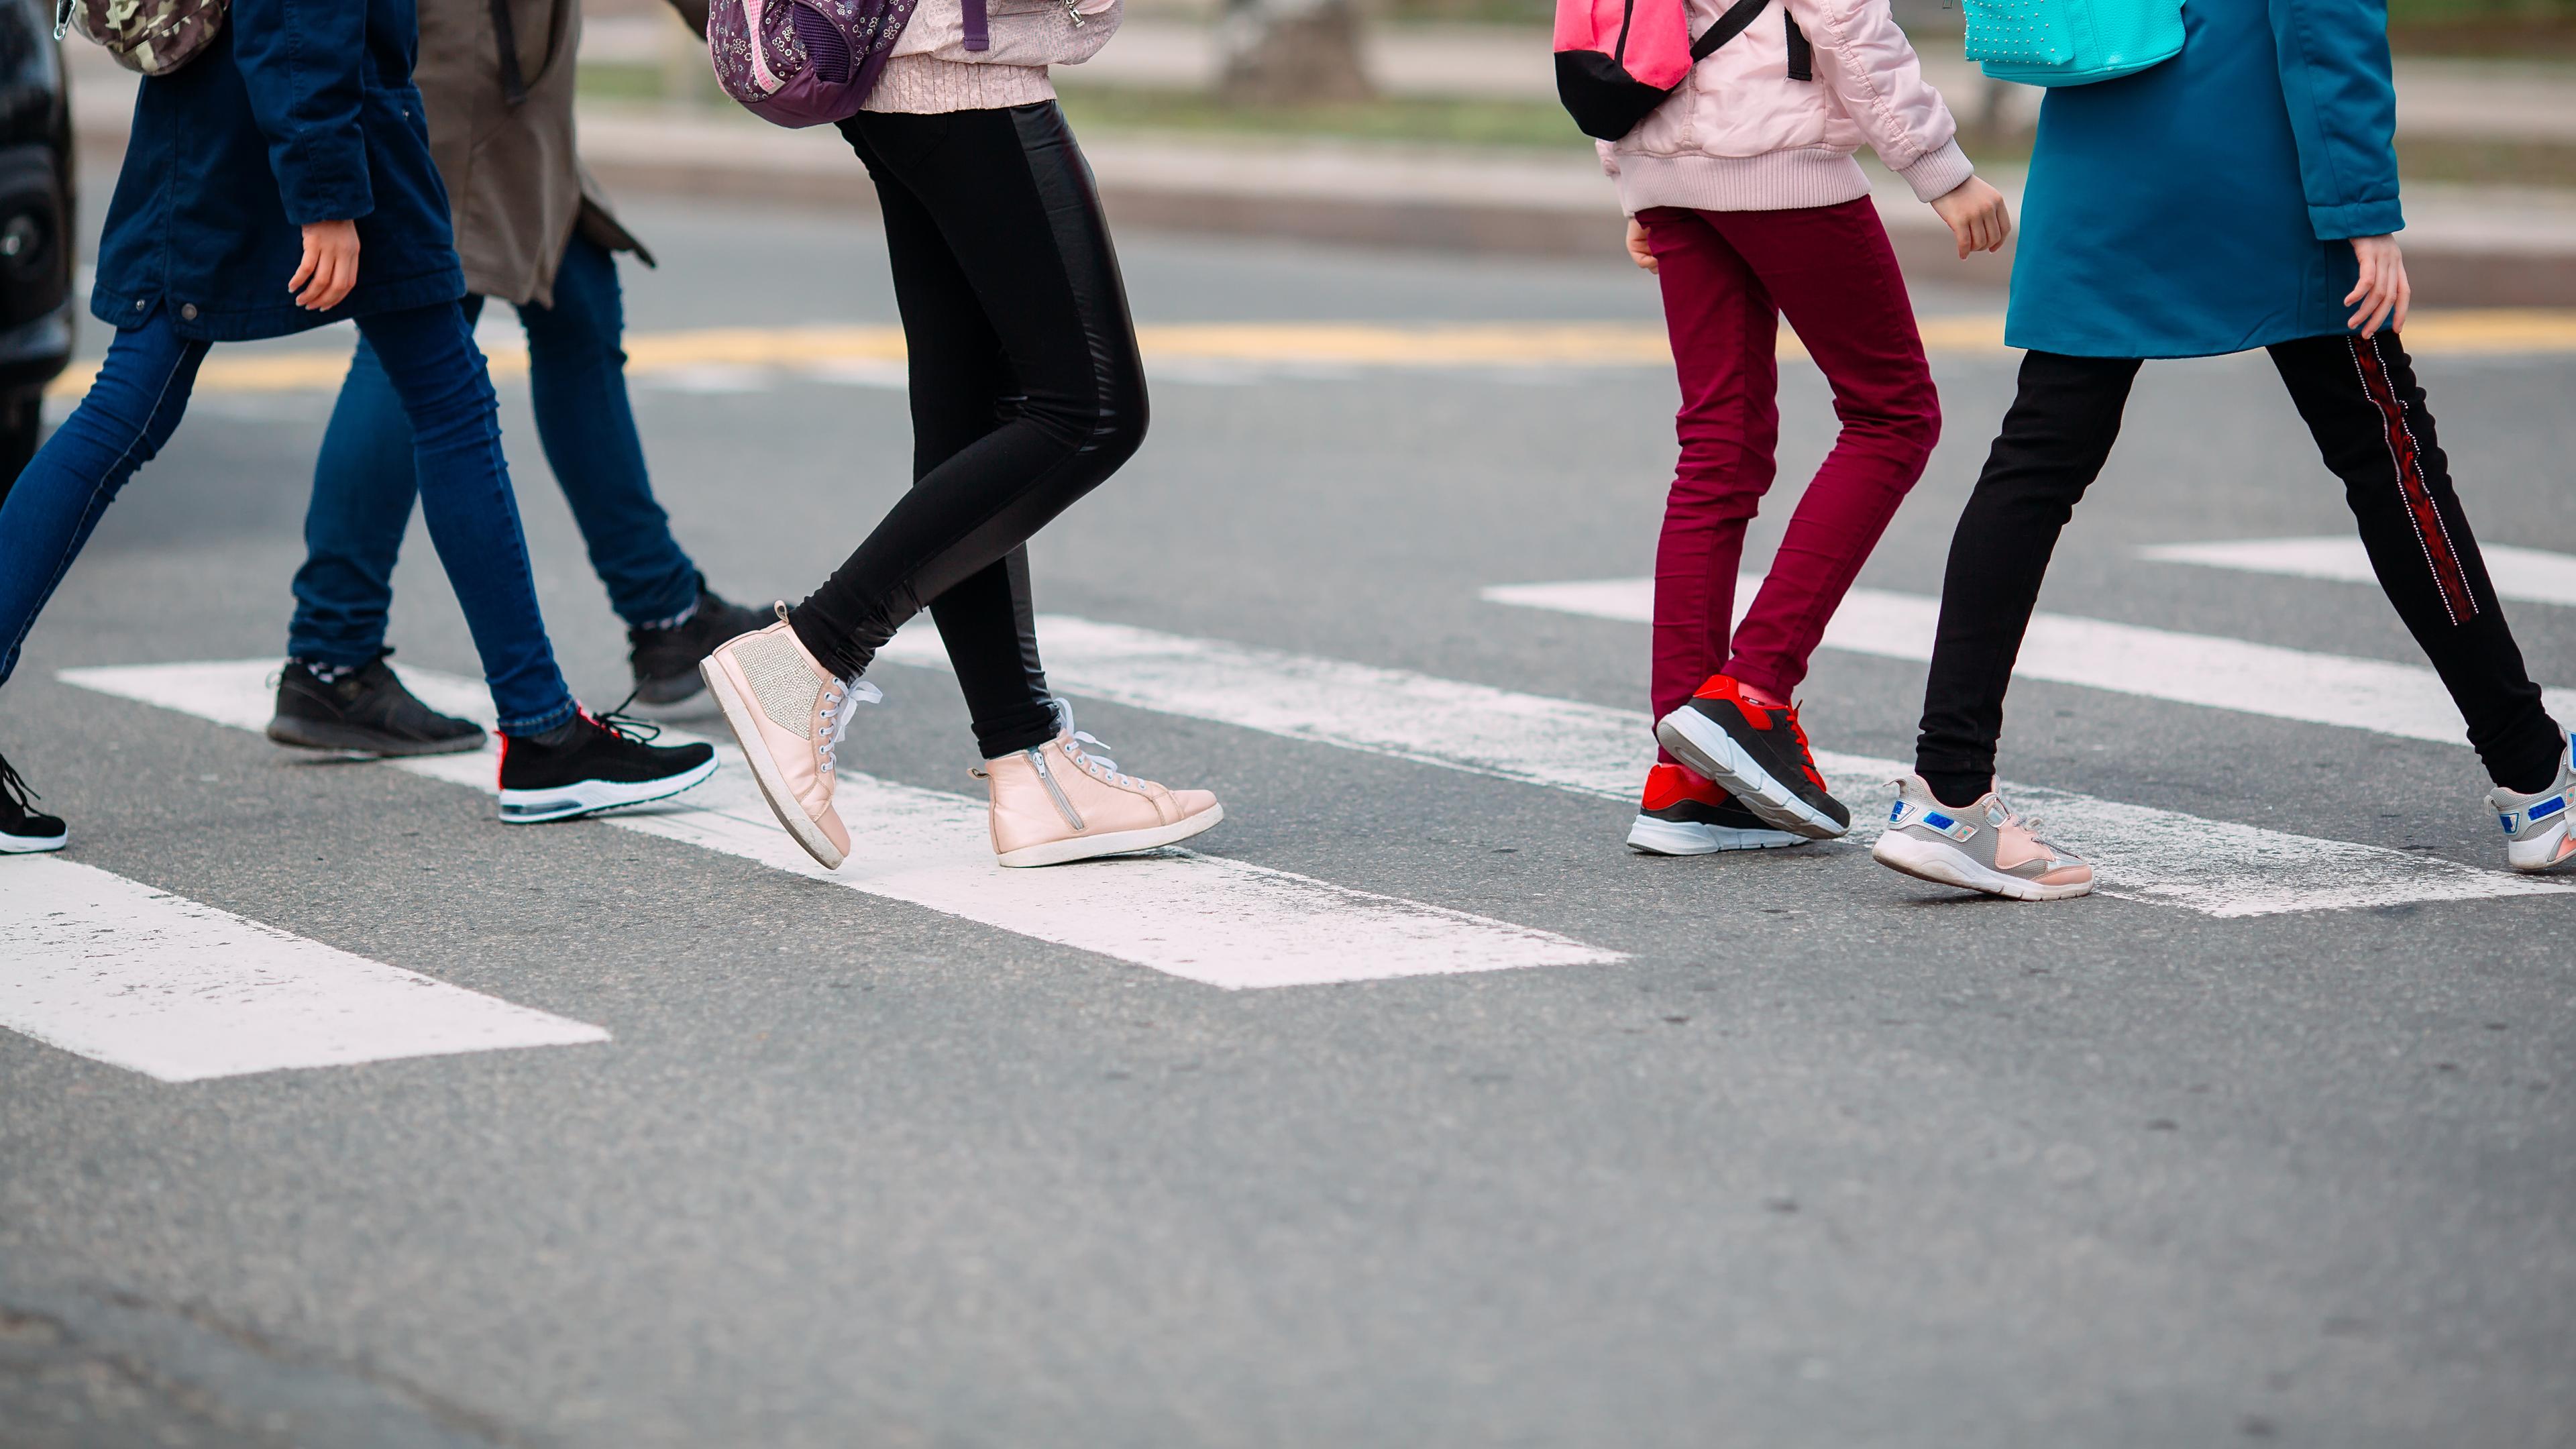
1208, 919
2215, 867
2528, 575
159, 984
2406, 700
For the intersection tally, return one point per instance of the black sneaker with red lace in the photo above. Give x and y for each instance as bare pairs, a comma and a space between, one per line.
1758, 753
589, 764
1682, 814
23, 829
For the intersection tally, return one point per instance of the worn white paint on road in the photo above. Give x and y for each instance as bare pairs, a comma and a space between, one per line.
160, 984
2216, 867
2527, 575
1208, 919
2406, 700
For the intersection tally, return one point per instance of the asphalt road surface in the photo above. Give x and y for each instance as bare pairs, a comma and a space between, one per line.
1415, 1109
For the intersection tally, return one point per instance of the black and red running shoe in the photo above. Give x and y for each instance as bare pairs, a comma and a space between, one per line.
1759, 754
1683, 814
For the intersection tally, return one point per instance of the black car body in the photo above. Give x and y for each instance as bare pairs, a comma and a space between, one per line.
37, 307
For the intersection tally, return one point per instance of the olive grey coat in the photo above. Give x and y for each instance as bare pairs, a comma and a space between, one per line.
516, 187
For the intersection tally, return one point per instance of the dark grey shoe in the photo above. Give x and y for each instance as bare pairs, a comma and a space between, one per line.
366, 711
666, 660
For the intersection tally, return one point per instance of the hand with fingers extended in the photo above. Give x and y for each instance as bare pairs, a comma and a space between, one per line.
1640, 250
330, 269
2382, 292
1978, 216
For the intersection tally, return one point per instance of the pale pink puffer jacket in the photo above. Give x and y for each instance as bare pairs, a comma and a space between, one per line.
1740, 135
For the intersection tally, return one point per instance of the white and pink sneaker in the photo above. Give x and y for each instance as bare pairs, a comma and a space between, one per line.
1060, 802
1985, 847
788, 713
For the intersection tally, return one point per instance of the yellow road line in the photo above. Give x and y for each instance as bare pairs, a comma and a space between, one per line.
1312, 344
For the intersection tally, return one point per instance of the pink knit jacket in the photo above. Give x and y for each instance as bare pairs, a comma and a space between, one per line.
1740, 135
932, 71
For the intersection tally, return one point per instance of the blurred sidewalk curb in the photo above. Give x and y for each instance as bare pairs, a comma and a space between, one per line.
2465, 246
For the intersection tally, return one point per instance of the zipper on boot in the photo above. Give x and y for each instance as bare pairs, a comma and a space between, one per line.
1046, 776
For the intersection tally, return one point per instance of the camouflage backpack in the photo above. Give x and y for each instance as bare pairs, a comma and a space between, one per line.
155, 37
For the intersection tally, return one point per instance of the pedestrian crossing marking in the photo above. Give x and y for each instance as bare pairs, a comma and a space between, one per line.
2218, 868
863, 353
1205, 918
2405, 700
2527, 575
156, 983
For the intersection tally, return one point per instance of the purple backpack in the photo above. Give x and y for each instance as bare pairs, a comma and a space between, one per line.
811, 62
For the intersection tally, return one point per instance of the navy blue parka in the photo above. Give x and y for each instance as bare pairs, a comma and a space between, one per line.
299, 111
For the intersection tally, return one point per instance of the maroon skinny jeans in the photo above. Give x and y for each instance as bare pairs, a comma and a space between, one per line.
1728, 277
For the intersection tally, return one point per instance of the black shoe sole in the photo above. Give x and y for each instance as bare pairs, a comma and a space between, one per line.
664, 690
307, 734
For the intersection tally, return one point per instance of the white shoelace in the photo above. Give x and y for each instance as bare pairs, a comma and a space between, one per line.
841, 701
1079, 748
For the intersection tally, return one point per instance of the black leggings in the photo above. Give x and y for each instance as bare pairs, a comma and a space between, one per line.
2361, 403
1027, 391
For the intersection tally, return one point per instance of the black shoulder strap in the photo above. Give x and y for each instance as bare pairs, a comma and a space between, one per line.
1728, 26
1802, 56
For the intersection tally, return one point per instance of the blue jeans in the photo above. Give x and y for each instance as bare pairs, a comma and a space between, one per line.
363, 485
428, 352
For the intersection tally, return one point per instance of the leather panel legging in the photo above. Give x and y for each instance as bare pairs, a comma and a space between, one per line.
1027, 391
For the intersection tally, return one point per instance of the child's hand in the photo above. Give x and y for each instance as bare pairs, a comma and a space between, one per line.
1977, 215
1638, 252
330, 267
2382, 290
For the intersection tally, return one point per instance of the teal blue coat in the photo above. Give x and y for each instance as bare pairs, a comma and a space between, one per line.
2204, 205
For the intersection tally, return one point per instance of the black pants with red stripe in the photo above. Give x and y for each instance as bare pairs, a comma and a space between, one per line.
2361, 402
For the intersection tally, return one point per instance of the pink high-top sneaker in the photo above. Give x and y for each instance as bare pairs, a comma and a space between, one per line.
1059, 802
788, 713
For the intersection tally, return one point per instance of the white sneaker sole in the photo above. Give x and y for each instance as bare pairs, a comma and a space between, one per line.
1700, 744
1941, 865
1649, 836
32, 844
738, 717
1117, 842
2548, 855
589, 797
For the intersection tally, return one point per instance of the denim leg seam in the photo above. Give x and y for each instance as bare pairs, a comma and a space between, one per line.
98, 496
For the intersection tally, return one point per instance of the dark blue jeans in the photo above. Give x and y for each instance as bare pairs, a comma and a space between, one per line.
429, 354
363, 485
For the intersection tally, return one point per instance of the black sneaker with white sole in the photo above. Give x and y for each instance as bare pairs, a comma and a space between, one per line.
666, 660
24, 830
364, 711
1759, 754
593, 764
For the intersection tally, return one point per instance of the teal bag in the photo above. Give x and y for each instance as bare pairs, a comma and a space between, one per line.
2070, 42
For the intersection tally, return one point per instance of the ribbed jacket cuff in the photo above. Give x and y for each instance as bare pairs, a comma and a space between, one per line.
922, 85
1778, 181
2357, 218
1938, 173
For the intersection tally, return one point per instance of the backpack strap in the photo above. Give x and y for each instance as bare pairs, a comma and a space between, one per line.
1802, 56
1728, 26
